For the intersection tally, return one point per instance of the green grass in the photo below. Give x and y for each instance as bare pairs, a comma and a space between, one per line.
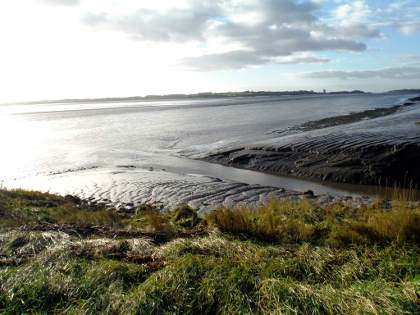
284, 258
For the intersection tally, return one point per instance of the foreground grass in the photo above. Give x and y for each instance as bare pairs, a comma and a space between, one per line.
59, 255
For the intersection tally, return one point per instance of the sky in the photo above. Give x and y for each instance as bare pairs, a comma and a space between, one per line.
54, 49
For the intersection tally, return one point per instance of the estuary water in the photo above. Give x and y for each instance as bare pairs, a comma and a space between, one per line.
135, 152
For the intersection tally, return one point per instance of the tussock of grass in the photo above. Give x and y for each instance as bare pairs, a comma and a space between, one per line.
402, 225
185, 216
336, 225
284, 258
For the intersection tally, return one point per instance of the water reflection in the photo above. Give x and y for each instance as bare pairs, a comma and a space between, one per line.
58, 138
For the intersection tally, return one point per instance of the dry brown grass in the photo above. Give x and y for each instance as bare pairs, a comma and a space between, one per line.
278, 221
378, 227
338, 225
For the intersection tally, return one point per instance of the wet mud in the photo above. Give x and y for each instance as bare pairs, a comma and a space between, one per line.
377, 147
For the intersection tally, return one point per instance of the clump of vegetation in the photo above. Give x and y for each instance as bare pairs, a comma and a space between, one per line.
185, 216
336, 225
284, 221
283, 258
19, 207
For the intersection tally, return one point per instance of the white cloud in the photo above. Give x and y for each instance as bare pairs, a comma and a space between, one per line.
260, 31
301, 58
352, 13
367, 21
61, 2
397, 5
409, 28
131, 47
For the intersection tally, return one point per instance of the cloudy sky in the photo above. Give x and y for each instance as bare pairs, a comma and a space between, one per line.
99, 48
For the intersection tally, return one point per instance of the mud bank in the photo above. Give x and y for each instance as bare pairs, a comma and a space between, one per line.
338, 159
378, 147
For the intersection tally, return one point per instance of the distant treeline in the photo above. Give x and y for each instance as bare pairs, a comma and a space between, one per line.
190, 96
414, 91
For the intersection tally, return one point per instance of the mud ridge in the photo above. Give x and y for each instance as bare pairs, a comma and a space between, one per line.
355, 159
344, 119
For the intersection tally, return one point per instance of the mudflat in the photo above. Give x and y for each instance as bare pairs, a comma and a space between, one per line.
373, 147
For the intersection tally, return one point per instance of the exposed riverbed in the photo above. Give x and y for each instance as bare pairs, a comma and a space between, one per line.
130, 153
372, 147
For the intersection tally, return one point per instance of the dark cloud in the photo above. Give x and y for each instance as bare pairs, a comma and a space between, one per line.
351, 31
61, 2
402, 72
272, 29
234, 60
225, 61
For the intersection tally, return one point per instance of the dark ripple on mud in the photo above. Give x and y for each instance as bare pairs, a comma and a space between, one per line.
355, 159
133, 187
369, 151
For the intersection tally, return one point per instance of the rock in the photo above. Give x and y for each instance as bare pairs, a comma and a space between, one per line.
308, 193
73, 199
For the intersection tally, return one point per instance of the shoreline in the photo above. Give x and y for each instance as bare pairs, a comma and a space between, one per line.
353, 190
127, 190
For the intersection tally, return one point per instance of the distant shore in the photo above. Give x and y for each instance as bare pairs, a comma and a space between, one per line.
205, 95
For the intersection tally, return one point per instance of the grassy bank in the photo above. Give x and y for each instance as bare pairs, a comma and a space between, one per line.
61, 255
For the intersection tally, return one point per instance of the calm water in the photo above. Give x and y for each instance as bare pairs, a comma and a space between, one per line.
41, 140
